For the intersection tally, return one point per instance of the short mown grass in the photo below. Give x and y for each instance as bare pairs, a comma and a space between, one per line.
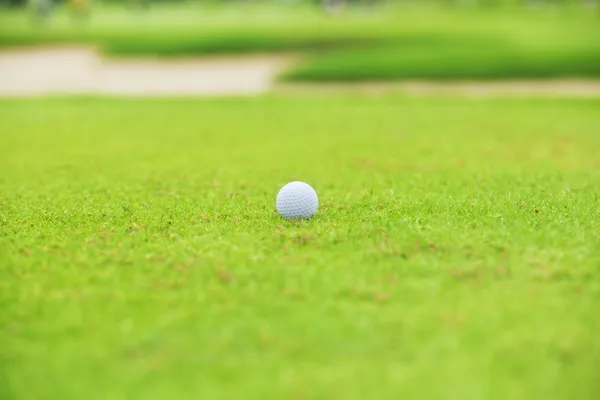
391, 43
456, 252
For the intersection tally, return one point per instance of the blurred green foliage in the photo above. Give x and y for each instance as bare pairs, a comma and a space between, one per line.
459, 3
395, 42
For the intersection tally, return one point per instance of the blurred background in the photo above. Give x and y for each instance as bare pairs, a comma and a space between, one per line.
253, 45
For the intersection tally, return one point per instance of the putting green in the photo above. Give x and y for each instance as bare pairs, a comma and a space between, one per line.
455, 253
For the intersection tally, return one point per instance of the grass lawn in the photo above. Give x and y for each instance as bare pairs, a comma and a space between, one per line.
456, 253
391, 44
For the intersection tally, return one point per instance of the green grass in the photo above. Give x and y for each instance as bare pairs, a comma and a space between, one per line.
397, 43
191, 30
449, 59
456, 253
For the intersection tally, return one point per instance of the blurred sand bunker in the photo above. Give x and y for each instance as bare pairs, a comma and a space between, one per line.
75, 70
69, 70
476, 89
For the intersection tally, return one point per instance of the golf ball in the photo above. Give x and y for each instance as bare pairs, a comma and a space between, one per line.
297, 200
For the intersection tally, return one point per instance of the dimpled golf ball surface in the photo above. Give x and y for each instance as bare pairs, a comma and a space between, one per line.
297, 200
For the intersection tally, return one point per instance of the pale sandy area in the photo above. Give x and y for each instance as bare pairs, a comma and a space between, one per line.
553, 88
75, 70
78, 70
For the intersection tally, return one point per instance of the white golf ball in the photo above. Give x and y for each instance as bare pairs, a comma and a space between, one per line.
297, 200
